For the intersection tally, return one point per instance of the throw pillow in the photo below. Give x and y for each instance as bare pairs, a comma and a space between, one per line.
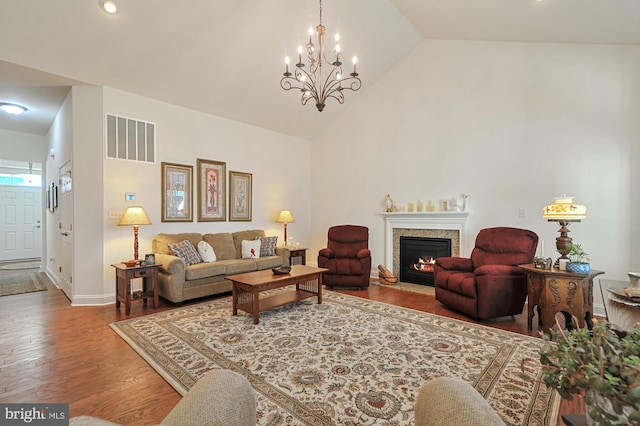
251, 249
268, 247
206, 252
186, 251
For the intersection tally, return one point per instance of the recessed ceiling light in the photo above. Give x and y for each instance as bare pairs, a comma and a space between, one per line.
12, 109
108, 6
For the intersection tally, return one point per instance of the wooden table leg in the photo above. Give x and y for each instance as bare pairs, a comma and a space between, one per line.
234, 298
256, 306
319, 281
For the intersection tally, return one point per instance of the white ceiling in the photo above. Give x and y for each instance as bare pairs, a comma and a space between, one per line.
225, 57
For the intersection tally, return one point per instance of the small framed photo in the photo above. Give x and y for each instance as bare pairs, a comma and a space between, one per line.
239, 196
212, 190
177, 192
150, 259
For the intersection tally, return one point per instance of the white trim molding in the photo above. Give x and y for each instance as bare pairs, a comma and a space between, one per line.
456, 221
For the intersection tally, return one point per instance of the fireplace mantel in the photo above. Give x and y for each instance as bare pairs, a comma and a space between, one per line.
425, 220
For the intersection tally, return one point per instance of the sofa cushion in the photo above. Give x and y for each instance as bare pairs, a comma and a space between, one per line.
239, 266
206, 252
161, 241
245, 235
204, 270
268, 247
222, 244
186, 251
251, 249
268, 262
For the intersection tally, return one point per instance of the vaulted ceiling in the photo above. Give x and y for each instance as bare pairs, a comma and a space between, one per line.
225, 57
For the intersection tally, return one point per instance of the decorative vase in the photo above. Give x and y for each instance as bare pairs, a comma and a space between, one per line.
578, 267
634, 285
596, 399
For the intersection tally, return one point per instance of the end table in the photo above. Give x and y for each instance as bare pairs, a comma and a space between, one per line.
124, 275
298, 256
552, 291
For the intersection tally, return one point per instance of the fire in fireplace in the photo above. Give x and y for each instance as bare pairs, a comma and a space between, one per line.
418, 257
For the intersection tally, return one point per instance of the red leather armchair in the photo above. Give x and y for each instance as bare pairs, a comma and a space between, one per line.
489, 284
347, 257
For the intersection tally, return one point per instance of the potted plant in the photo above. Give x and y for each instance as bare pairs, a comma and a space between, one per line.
578, 260
601, 365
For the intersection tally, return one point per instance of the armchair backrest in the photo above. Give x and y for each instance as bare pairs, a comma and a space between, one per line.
504, 246
346, 240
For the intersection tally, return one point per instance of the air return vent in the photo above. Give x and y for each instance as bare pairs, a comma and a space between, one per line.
129, 139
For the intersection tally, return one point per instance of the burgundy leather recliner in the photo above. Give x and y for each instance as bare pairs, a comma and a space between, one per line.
489, 284
347, 257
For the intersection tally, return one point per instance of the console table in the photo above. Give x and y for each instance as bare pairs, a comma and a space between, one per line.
551, 291
124, 275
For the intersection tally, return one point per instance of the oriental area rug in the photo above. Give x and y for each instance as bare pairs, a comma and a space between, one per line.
347, 361
21, 283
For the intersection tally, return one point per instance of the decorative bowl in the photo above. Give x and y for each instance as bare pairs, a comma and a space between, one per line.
578, 267
283, 270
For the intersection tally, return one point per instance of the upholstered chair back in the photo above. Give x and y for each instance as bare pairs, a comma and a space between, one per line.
504, 246
347, 240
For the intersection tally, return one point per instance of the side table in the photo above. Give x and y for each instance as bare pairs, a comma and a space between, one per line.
553, 291
298, 256
124, 275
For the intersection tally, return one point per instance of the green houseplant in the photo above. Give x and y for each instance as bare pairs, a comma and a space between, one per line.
578, 260
600, 364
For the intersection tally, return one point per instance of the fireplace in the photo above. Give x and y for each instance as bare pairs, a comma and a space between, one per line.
417, 258
444, 225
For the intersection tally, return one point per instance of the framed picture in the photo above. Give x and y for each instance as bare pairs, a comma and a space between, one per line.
239, 196
212, 190
177, 192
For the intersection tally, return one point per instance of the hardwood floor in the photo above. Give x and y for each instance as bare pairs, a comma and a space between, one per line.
52, 352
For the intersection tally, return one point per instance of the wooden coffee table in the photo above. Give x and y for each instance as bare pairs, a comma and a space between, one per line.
247, 287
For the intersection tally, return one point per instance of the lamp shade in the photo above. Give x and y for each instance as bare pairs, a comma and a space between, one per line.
565, 210
285, 216
134, 216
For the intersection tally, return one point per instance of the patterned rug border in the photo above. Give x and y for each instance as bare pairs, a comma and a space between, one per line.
33, 282
541, 399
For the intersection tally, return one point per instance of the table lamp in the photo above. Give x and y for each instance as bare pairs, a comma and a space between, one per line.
134, 216
285, 217
564, 211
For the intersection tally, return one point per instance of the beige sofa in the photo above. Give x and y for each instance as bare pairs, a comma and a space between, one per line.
179, 282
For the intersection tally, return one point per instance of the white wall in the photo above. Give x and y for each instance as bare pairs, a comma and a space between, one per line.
512, 124
60, 142
20, 146
280, 166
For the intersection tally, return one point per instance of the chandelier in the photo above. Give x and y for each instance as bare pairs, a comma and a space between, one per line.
309, 79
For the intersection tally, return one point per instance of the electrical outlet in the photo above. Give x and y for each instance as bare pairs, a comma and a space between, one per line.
522, 212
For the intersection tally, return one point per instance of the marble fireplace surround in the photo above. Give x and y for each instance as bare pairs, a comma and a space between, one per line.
452, 225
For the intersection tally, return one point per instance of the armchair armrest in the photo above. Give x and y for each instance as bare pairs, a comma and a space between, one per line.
498, 270
363, 253
455, 263
327, 252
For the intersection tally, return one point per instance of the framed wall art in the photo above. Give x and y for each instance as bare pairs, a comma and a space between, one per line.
177, 192
212, 190
239, 196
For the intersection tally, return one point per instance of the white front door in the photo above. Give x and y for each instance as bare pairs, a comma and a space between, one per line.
20, 222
